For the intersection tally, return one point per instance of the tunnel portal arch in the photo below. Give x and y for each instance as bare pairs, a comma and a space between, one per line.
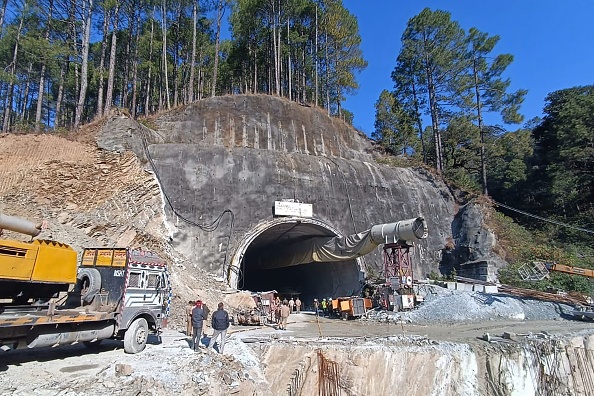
308, 281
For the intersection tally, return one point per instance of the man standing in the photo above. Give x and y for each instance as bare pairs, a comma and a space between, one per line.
284, 313
198, 316
189, 309
298, 305
291, 304
220, 324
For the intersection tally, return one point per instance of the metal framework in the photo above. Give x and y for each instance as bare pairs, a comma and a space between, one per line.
398, 265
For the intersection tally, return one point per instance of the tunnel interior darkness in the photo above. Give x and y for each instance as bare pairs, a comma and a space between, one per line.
308, 281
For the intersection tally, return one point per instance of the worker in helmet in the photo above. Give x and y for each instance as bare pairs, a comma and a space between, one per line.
316, 305
324, 307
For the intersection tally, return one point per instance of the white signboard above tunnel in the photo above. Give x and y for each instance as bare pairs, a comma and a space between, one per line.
287, 208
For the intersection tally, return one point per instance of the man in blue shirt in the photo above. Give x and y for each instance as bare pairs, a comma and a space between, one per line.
220, 324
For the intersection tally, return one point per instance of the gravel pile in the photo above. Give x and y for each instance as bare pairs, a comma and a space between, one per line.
443, 305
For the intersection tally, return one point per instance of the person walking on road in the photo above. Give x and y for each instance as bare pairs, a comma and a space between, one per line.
316, 305
198, 316
324, 307
285, 311
277, 307
298, 305
220, 324
189, 309
291, 304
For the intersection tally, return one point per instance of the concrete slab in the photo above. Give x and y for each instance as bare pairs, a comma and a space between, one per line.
491, 289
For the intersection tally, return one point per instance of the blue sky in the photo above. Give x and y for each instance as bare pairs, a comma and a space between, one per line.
552, 42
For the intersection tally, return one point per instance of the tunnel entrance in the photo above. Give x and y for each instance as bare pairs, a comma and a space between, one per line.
308, 281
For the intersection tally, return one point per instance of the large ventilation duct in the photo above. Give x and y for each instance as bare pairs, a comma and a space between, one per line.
332, 249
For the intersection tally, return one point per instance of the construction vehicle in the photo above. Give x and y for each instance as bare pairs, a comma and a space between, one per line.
46, 299
539, 270
350, 307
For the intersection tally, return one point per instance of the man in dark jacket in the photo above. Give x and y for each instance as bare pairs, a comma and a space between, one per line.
199, 313
220, 324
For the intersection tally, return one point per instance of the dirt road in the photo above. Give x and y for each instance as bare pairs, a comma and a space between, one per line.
169, 364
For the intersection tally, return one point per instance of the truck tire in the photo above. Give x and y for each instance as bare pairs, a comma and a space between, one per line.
90, 283
136, 335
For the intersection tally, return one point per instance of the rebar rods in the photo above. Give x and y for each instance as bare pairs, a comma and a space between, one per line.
328, 377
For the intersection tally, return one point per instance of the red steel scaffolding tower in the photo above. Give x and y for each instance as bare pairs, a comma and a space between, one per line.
398, 267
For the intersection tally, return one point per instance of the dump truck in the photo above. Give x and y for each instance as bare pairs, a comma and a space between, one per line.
48, 298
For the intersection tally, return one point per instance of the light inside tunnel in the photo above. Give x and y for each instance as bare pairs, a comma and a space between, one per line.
308, 281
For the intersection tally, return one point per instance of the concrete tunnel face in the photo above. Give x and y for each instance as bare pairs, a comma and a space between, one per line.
309, 280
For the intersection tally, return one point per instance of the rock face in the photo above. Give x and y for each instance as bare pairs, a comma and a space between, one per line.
472, 252
224, 161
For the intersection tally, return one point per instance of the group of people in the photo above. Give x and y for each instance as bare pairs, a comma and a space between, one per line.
282, 310
196, 313
325, 306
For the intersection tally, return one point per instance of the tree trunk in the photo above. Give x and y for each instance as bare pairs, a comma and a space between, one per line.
434, 117
2, 13
316, 58
88, 10
135, 66
419, 121
148, 80
289, 93
61, 93
164, 55
106, 17
176, 58
10, 90
112, 59
193, 56
42, 74
126, 78
480, 127
327, 76
217, 45
25, 99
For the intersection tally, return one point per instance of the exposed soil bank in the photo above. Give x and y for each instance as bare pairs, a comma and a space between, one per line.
418, 366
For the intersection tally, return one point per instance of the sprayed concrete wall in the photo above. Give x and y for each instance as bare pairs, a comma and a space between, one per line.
423, 367
235, 155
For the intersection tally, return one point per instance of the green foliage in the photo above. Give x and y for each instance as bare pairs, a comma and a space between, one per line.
509, 158
400, 161
453, 274
394, 128
564, 157
431, 48
433, 275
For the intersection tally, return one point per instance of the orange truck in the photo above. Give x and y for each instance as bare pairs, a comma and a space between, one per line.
350, 307
48, 299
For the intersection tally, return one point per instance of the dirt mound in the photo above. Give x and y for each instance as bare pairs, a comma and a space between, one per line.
91, 197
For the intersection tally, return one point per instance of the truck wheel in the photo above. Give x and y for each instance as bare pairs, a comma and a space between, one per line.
90, 283
136, 335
